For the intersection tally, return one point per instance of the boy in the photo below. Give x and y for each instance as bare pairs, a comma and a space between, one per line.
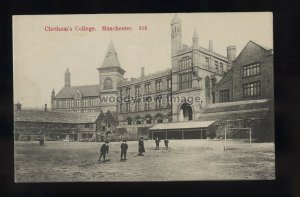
124, 147
104, 150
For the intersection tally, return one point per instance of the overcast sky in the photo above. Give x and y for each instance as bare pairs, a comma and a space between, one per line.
41, 57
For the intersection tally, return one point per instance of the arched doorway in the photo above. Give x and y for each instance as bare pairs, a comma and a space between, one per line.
185, 112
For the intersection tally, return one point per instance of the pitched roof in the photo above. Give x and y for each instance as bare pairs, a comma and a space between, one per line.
55, 117
237, 106
88, 90
111, 58
182, 125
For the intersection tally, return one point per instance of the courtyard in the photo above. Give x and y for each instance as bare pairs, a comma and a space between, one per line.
59, 161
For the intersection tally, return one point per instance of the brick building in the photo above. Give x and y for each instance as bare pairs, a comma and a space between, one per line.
250, 78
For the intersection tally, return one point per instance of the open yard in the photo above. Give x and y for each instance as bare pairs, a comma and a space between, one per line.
185, 160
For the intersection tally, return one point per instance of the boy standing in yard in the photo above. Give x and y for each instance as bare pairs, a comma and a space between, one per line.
124, 147
104, 150
157, 141
166, 143
141, 147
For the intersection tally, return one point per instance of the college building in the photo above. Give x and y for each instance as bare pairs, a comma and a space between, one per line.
196, 97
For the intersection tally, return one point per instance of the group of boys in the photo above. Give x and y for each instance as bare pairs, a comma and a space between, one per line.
124, 147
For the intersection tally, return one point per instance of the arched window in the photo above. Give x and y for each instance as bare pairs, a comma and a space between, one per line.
138, 120
148, 119
129, 121
108, 83
159, 118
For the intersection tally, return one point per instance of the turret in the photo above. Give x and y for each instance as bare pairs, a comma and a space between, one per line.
195, 39
176, 43
67, 78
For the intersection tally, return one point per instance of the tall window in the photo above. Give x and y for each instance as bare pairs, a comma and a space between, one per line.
128, 91
108, 83
158, 85
147, 87
137, 89
221, 68
207, 62
185, 81
169, 98
137, 105
224, 96
217, 66
251, 70
158, 102
147, 103
127, 106
252, 89
77, 102
169, 83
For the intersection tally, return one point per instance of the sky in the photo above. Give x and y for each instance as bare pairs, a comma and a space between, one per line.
40, 58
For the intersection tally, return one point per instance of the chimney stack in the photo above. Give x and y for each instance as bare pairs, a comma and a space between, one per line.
210, 43
143, 72
19, 106
231, 53
46, 107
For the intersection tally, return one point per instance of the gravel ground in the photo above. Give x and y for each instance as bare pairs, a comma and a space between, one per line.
184, 160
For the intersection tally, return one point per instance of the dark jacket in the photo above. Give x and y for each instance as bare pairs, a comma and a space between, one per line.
141, 146
104, 149
157, 141
124, 147
166, 141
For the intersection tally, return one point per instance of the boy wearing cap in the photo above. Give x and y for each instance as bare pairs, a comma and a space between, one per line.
124, 147
104, 150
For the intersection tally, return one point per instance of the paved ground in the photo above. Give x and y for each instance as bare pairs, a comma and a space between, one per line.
185, 160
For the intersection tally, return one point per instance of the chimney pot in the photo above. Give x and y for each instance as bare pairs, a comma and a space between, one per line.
143, 72
231, 53
210, 43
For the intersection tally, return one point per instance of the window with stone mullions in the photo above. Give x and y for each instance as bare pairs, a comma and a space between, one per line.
158, 85
185, 81
251, 70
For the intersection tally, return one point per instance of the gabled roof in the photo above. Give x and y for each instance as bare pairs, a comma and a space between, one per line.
249, 42
55, 117
182, 125
111, 58
86, 91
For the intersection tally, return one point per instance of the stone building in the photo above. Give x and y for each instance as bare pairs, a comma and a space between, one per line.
87, 98
198, 79
89, 126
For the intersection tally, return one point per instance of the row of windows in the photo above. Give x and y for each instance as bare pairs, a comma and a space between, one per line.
251, 70
137, 105
147, 119
252, 89
137, 88
78, 103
